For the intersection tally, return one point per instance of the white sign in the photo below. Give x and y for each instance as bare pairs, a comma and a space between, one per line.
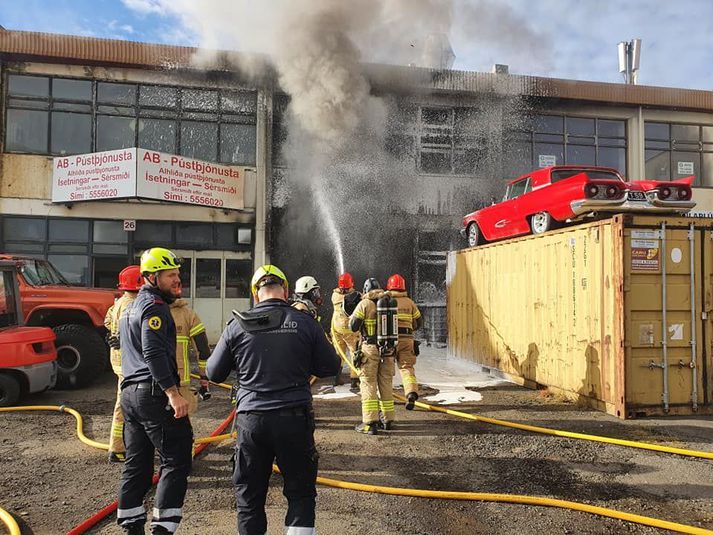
685, 168
676, 331
547, 160
169, 177
96, 176
645, 234
147, 174
129, 225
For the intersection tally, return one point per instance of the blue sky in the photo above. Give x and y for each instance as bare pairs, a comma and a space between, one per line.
559, 38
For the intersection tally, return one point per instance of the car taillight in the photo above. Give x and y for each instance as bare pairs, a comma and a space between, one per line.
684, 194
664, 193
612, 191
592, 190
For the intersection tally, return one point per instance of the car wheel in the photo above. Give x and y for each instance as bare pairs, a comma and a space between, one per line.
541, 222
9, 390
475, 237
81, 354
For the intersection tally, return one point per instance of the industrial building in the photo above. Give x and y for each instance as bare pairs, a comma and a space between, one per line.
456, 138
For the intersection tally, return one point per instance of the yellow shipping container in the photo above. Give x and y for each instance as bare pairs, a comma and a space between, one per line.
580, 310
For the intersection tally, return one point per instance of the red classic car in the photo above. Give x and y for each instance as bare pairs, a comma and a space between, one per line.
550, 197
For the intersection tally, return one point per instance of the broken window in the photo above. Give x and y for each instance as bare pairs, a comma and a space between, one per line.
450, 142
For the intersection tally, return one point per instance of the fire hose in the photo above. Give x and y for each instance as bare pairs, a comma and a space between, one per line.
470, 496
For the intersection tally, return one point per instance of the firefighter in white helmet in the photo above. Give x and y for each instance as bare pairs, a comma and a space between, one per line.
308, 297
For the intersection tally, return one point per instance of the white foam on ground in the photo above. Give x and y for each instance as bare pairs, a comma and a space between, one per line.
340, 392
450, 376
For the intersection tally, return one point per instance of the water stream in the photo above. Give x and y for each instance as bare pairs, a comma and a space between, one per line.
330, 224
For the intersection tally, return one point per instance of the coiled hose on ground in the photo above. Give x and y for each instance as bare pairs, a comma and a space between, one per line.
423, 493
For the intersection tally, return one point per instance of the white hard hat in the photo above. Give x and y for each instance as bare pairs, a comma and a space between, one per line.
305, 284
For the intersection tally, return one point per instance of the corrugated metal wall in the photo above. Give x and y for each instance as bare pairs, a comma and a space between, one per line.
581, 310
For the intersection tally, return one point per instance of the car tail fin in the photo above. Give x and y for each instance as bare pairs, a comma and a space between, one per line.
688, 181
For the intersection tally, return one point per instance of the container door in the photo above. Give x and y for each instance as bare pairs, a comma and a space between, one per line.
663, 311
706, 341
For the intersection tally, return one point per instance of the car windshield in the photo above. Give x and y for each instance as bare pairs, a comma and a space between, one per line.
42, 273
562, 174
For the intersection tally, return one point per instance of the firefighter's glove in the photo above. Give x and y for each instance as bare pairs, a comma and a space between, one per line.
113, 341
416, 347
358, 358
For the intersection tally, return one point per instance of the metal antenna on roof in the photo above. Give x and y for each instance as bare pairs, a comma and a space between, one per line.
629, 60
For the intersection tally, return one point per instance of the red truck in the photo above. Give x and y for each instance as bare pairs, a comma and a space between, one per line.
75, 314
28, 359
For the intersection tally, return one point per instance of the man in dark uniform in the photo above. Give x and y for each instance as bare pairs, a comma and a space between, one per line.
155, 413
274, 349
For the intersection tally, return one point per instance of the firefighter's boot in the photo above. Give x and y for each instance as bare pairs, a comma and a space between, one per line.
354, 386
135, 528
367, 429
411, 401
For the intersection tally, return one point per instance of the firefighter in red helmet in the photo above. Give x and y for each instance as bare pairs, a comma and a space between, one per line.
130, 281
410, 320
345, 299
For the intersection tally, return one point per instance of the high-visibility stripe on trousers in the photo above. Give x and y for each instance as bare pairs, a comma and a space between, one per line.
116, 437
407, 360
376, 379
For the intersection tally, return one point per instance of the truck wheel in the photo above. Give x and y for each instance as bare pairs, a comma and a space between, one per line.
81, 354
9, 390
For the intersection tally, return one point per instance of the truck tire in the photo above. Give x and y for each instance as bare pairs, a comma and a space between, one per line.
9, 390
81, 354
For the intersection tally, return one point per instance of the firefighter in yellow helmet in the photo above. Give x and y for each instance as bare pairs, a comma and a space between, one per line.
376, 371
190, 331
155, 412
410, 320
345, 299
130, 281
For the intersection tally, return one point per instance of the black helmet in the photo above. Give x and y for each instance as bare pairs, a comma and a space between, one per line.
371, 284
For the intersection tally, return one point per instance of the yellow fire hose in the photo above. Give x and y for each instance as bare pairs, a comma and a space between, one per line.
9, 521
549, 431
450, 495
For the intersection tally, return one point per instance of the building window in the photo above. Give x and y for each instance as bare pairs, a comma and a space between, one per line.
449, 141
48, 115
676, 151
547, 140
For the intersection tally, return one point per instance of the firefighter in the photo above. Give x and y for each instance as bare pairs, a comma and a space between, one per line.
308, 297
274, 349
376, 370
410, 320
345, 298
130, 281
155, 413
190, 331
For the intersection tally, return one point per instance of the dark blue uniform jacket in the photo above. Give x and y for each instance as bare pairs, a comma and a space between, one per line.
274, 366
148, 341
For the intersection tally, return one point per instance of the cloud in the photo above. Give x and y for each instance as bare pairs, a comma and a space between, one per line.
144, 7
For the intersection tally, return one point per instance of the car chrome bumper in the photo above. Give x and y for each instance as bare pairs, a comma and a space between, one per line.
650, 205
41, 376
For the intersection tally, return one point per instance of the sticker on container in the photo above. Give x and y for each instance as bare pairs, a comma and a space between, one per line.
646, 334
676, 331
645, 258
547, 160
644, 234
685, 168
676, 255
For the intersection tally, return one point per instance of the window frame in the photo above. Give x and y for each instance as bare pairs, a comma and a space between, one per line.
532, 136
704, 147
222, 115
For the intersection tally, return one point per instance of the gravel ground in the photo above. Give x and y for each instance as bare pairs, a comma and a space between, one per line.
51, 481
